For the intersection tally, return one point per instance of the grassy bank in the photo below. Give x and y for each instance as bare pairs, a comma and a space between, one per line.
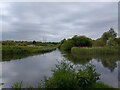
16, 52
96, 50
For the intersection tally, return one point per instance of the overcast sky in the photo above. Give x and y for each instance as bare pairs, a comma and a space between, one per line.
55, 21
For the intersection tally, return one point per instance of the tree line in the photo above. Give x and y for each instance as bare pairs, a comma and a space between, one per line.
107, 39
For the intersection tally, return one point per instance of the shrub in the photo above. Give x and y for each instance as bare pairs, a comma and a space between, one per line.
80, 41
67, 45
65, 75
98, 43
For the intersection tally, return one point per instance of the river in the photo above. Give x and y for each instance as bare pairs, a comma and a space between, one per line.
31, 70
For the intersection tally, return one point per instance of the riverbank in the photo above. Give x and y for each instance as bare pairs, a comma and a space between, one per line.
95, 50
17, 52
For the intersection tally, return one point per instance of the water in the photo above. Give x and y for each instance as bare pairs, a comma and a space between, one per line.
33, 69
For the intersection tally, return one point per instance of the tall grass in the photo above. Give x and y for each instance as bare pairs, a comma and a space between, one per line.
11, 52
96, 50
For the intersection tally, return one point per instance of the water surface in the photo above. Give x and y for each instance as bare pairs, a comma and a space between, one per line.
33, 69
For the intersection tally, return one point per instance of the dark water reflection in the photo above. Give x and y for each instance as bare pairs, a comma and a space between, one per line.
106, 65
108, 61
32, 70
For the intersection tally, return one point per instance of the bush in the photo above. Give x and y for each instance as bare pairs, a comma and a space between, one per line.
98, 43
80, 41
67, 76
67, 45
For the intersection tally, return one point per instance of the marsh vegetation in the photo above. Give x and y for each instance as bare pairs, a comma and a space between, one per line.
16, 50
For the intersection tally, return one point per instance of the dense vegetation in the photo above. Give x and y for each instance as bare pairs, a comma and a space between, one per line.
66, 75
96, 51
17, 50
27, 43
107, 39
80, 41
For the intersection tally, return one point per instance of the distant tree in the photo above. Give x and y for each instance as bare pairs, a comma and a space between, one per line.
62, 41
109, 34
34, 42
82, 41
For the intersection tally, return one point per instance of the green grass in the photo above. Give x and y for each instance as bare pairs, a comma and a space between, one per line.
16, 52
96, 50
101, 85
98, 85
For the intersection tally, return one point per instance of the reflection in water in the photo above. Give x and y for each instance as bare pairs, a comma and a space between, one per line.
33, 69
107, 61
30, 70
105, 65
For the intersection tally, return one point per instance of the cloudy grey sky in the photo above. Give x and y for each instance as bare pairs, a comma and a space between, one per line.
55, 21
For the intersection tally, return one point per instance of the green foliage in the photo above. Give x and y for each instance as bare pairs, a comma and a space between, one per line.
26, 43
102, 85
13, 43
18, 85
96, 50
109, 34
117, 40
80, 41
67, 45
15, 52
111, 42
67, 76
34, 42
98, 43
62, 41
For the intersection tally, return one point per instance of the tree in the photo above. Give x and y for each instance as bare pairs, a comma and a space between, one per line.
34, 42
82, 41
109, 34
67, 45
62, 41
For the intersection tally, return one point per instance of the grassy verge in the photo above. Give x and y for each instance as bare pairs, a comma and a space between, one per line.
17, 52
96, 51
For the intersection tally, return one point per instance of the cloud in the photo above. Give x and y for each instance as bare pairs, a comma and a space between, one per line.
55, 21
